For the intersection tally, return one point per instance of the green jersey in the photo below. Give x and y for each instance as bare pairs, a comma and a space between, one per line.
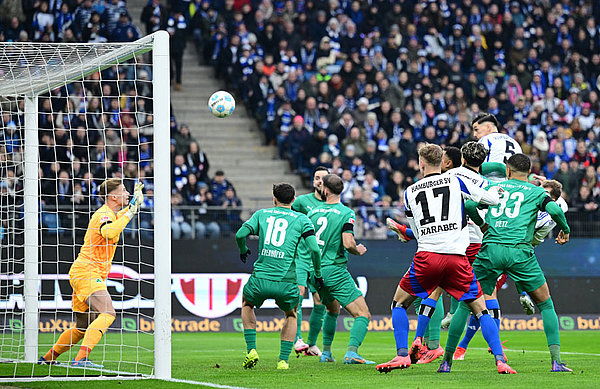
331, 220
279, 232
306, 203
513, 221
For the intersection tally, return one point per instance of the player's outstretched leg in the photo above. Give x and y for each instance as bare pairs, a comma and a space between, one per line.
329, 326
100, 302
66, 340
249, 323
316, 323
426, 310
358, 308
433, 335
404, 234
287, 336
457, 326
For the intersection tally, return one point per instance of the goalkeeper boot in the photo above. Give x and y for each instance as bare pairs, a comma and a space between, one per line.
417, 349
398, 228
444, 367
300, 347
86, 363
559, 367
313, 351
283, 365
397, 363
446, 320
352, 358
431, 355
326, 356
459, 354
503, 368
527, 304
44, 361
251, 359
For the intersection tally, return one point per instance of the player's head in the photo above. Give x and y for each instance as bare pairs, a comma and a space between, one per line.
113, 192
473, 154
332, 185
430, 155
283, 194
553, 188
451, 158
519, 165
484, 124
320, 172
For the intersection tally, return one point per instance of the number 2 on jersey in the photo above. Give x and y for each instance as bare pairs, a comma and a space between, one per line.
275, 231
322, 221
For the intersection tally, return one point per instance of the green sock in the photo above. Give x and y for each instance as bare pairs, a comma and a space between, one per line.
316, 323
285, 349
550, 320
299, 316
329, 326
358, 333
435, 326
417, 304
457, 326
250, 337
453, 305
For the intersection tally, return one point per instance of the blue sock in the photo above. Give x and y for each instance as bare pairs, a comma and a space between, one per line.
491, 334
400, 323
427, 308
523, 294
494, 308
410, 233
471, 331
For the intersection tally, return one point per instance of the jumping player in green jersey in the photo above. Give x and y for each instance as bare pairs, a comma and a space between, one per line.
304, 204
279, 231
507, 249
334, 224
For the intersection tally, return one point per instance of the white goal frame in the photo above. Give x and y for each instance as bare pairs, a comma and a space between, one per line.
22, 87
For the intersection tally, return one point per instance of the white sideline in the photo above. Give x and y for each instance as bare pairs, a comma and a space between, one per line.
121, 378
540, 352
209, 384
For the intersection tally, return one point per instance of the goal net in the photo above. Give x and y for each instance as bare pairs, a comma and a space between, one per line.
71, 116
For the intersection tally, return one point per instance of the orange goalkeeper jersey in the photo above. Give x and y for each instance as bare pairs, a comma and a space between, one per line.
97, 252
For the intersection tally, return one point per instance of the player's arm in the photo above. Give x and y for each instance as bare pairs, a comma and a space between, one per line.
557, 214
348, 237
315, 252
493, 168
488, 196
471, 209
250, 227
110, 229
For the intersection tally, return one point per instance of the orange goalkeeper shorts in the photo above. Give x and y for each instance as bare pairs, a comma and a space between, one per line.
84, 284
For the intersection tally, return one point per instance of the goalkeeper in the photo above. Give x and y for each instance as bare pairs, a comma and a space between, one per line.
91, 302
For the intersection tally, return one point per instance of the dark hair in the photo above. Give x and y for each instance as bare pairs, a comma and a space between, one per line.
474, 153
453, 154
219, 173
284, 193
334, 183
320, 169
108, 186
486, 117
520, 163
555, 188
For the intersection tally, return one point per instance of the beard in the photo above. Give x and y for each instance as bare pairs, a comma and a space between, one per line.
321, 193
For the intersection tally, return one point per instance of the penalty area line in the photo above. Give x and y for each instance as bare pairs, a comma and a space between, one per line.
541, 352
200, 383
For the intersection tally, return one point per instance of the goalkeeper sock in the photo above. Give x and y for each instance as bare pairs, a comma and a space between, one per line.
329, 326
250, 338
426, 310
316, 323
551, 328
457, 326
65, 341
285, 349
299, 316
358, 333
490, 332
93, 334
453, 305
400, 324
471, 331
435, 326
494, 309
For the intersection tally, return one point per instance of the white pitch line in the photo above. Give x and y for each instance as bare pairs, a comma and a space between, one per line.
540, 352
200, 383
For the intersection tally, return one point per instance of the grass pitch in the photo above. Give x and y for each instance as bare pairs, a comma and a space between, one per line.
216, 358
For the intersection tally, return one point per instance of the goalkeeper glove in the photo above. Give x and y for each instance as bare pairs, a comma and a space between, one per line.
319, 283
244, 257
136, 200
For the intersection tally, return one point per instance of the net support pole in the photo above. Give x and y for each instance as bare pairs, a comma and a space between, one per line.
162, 209
30, 203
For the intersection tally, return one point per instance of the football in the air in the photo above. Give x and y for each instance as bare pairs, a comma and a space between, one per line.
221, 104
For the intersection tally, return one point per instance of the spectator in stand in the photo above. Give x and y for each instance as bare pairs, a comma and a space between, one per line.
177, 27
180, 227
219, 185
124, 31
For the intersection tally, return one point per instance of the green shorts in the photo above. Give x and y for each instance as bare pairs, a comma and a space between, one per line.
304, 275
339, 285
286, 294
519, 263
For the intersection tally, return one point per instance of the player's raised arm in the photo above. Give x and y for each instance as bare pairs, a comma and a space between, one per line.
489, 196
471, 209
557, 214
112, 229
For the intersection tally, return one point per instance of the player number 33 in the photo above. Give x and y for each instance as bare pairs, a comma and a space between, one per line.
516, 197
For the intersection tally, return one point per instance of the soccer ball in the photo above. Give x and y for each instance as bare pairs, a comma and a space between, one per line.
221, 104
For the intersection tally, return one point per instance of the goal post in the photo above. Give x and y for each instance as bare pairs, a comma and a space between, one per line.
29, 75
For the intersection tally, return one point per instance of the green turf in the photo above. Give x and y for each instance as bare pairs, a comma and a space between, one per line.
217, 358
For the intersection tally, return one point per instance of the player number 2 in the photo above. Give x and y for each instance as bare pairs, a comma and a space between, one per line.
275, 231
518, 197
322, 221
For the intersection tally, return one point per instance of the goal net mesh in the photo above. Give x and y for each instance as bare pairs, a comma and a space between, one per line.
94, 106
